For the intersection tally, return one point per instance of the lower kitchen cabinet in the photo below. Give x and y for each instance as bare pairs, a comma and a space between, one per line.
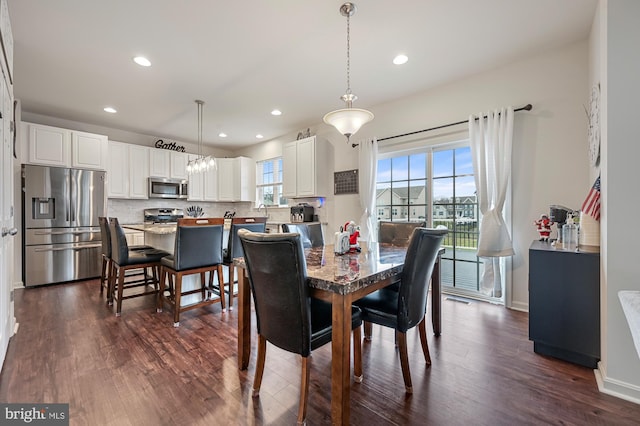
564, 303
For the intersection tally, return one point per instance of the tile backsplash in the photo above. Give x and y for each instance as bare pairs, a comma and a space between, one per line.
132, 211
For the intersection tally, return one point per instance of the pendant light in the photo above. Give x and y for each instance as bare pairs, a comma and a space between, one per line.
200, 163
348, 120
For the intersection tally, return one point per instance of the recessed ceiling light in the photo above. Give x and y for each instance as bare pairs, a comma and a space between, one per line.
276, 112
400, 59
112, 110
142, 61
259, 136
222, 135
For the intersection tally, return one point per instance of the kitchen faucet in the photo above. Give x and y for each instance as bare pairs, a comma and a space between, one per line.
266, 212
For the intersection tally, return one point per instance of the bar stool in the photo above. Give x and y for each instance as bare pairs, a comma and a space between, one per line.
105, 236
198, 250
123, 259
234, 247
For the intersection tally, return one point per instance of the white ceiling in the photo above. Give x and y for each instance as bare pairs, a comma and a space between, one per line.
74, 57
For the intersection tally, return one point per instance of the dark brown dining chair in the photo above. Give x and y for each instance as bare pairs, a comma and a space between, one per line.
397, 233
404, 308
286, 315
198, 250
234, 248
105, 237
124, 260
310, 233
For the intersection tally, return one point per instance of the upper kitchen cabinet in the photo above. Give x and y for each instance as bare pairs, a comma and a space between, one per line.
6, 35
236, 179
168, 164
128, 171
307, 168
89, 151
49, 146
54, 146
203, 186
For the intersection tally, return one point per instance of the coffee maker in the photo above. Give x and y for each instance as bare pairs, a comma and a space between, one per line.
302, 213
558, 214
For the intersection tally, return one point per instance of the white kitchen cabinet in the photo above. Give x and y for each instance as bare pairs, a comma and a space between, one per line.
159, 163
133, 237
55, 146
196, 183
179, 162
236, 179
139, 172
49, 146
89, 151
118, 170
168, 164
128, 170
203, 186
307, 168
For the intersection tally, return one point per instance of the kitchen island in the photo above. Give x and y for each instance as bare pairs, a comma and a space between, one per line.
163, 236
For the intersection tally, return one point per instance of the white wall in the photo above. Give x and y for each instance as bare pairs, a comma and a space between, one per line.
616, 61
550, 164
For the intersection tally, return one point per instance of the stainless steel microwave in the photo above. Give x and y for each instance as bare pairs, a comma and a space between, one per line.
168, 188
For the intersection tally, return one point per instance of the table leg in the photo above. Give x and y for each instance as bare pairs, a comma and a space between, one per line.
340, 359
436, 298
244, 319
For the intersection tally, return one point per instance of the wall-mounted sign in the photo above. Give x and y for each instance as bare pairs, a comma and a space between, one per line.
171, 146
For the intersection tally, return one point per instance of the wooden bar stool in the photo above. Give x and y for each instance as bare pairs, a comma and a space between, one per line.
198, 250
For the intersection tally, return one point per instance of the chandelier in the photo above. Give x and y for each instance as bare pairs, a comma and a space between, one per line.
201, 163
348, 120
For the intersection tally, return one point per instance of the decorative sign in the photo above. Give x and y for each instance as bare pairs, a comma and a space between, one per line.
345, 182
171, 146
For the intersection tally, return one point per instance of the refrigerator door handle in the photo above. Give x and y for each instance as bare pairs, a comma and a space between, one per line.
66, 232
76, 248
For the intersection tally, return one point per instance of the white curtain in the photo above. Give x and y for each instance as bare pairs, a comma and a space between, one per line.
368, 165
491, 136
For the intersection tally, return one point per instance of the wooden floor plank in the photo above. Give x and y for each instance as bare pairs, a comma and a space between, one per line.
140, 370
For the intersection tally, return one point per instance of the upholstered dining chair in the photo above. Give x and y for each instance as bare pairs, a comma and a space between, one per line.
123, 260
105, 237
198, 250
286, 315
397, 233
404, 308
234, 248
310, 233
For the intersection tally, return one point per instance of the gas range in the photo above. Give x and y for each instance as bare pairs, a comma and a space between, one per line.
163, 216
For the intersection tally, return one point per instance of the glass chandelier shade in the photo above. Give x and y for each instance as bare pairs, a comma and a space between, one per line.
201, 163
348, 120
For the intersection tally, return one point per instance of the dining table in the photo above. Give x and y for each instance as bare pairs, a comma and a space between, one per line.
340, 279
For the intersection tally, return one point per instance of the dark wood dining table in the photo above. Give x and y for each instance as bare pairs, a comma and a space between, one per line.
339, 279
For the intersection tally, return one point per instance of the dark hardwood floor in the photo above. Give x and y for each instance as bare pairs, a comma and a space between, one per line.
140, 370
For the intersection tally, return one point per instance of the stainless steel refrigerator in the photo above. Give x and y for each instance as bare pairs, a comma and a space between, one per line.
60, 223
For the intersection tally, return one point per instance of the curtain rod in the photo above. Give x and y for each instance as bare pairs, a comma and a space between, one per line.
527, 107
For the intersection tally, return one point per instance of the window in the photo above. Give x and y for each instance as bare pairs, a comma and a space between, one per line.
269, 183
439, 180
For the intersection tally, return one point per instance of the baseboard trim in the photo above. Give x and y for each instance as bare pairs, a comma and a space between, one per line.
617, 388
519, 306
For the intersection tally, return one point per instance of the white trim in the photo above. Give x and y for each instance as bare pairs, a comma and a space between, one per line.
617, 388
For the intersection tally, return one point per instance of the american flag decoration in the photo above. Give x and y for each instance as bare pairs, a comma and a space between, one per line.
591, 205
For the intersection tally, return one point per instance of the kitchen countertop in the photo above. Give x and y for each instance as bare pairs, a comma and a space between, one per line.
155, 228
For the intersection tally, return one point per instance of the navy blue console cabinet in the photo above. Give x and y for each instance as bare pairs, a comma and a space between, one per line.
564, 303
